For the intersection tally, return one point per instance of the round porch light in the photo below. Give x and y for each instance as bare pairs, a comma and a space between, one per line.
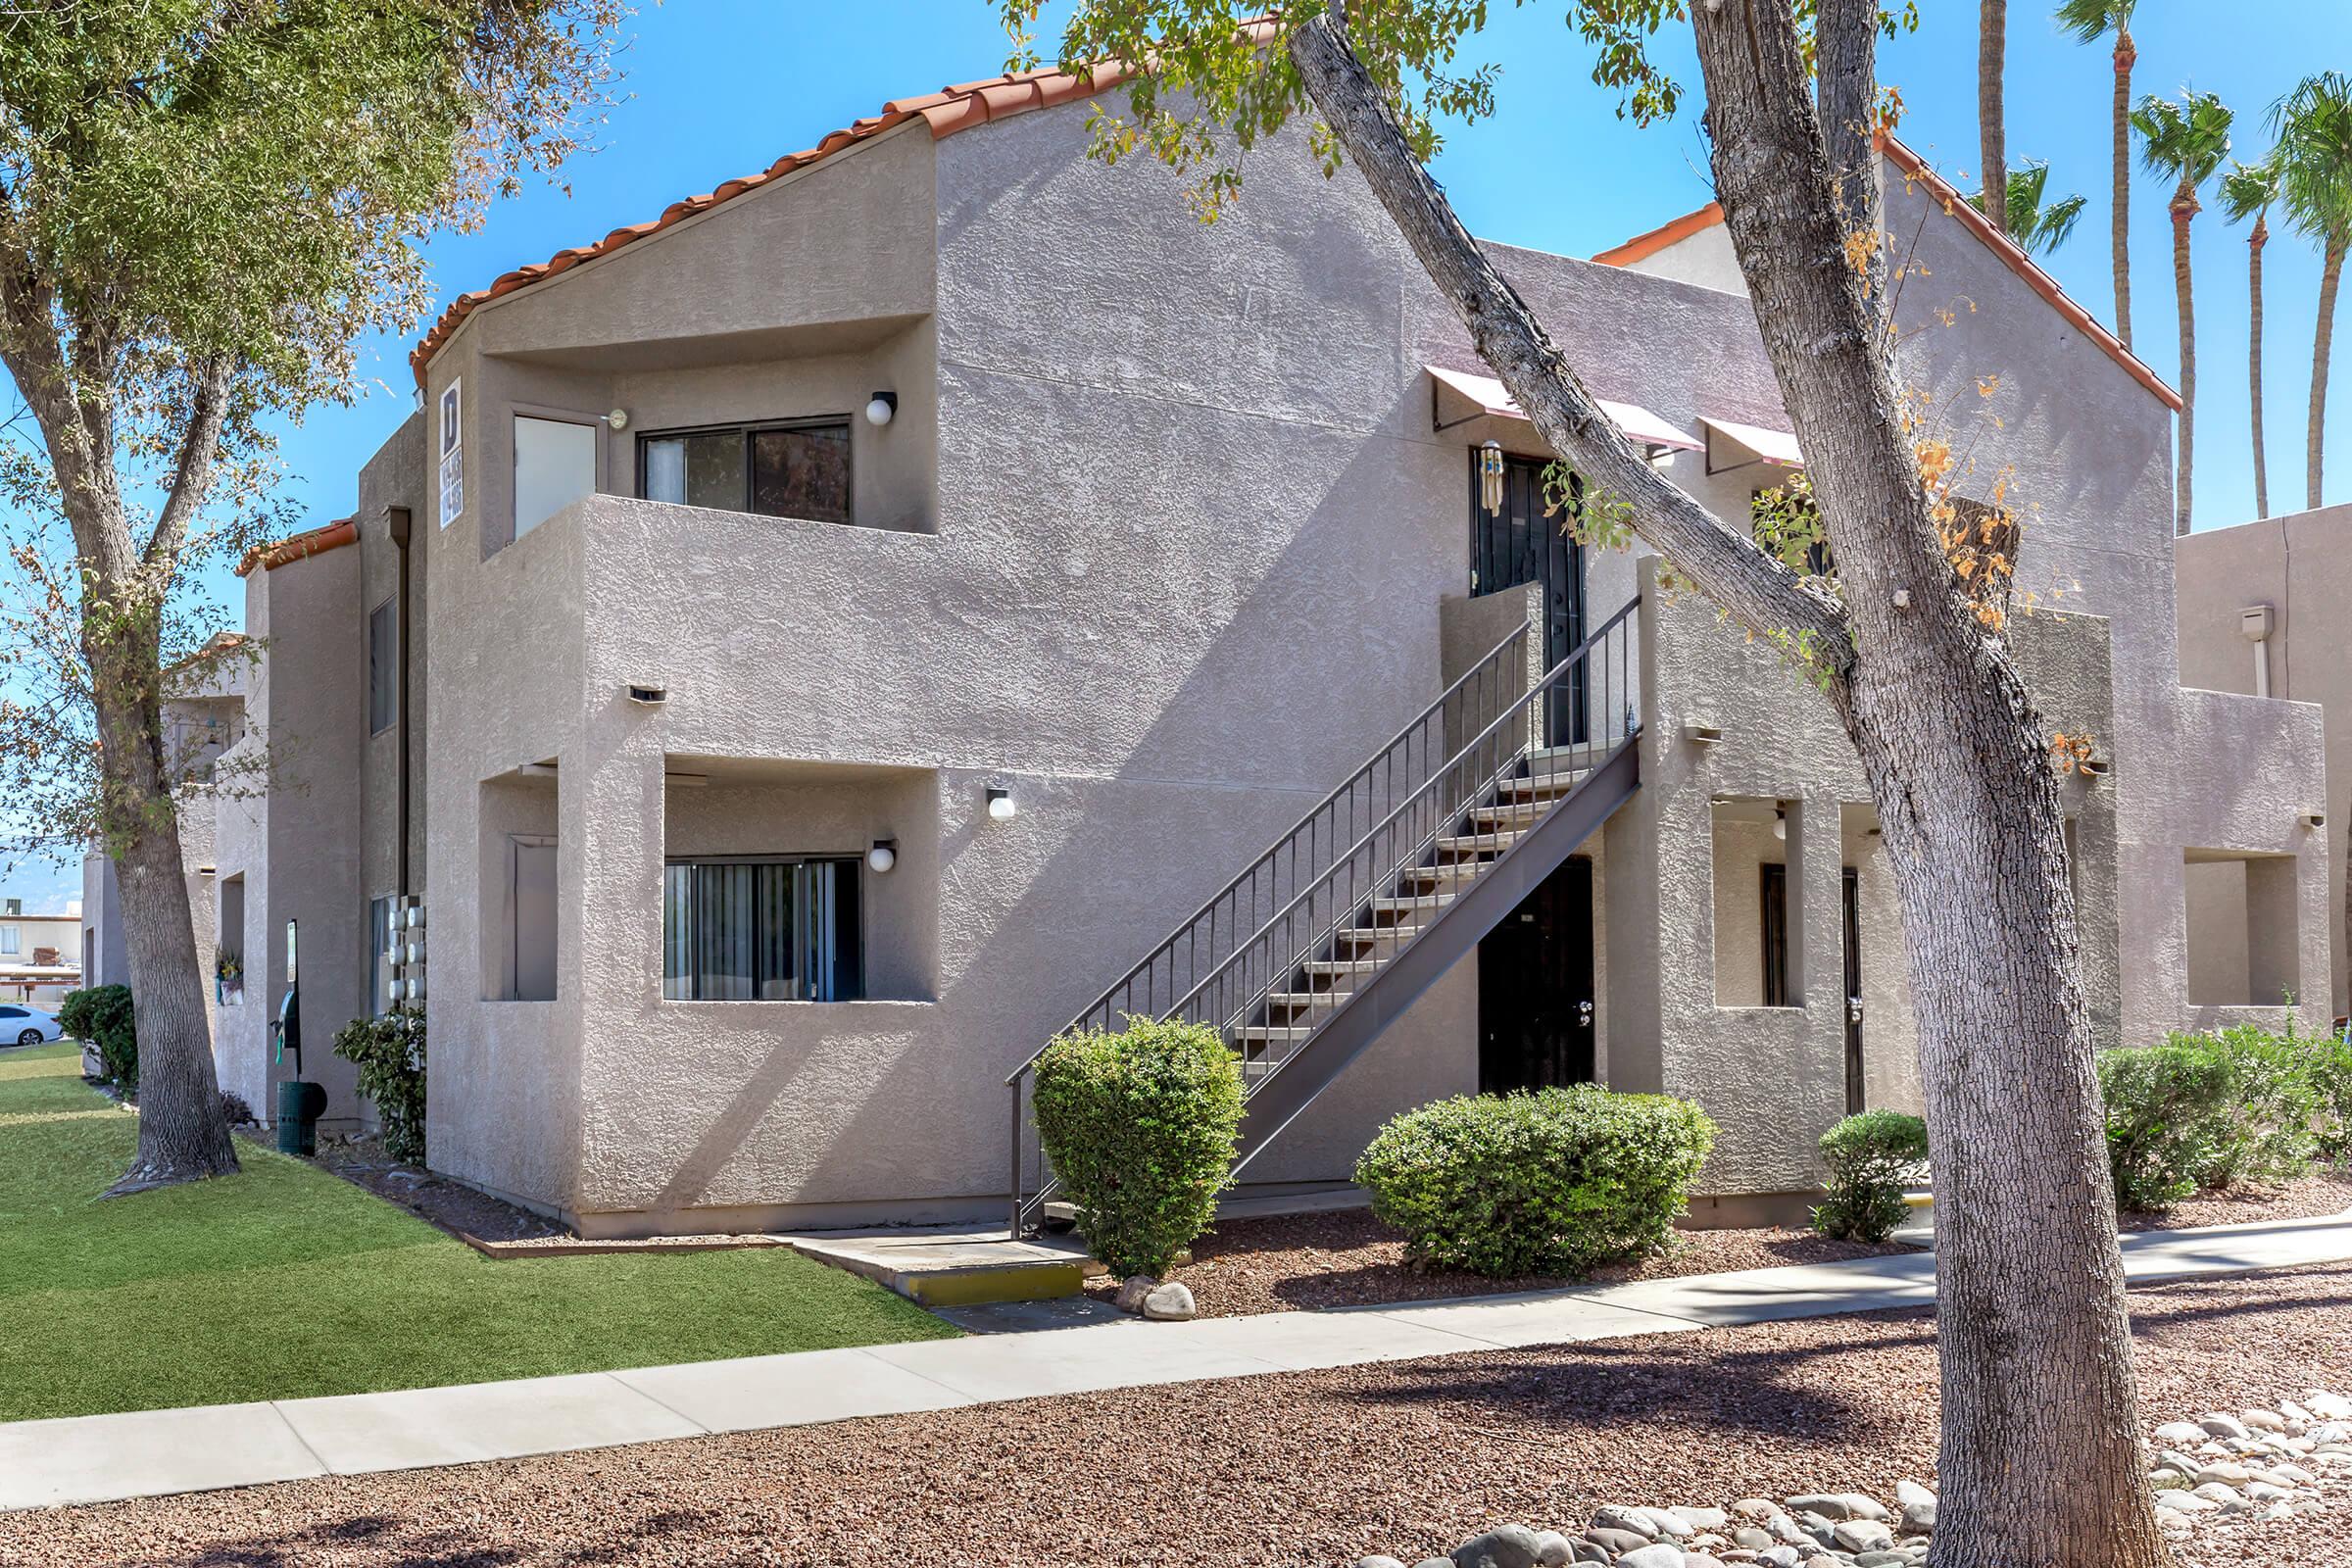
618, 419
883, 856
999, 805
880, 409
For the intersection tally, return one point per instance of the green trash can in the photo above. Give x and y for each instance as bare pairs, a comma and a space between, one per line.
299, 1105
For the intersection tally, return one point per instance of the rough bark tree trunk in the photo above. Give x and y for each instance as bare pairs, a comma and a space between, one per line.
1992, 59
2119, 231
2185, 209
2043, 1466
2323, 343
2254, 244
1846, 41
182, 1134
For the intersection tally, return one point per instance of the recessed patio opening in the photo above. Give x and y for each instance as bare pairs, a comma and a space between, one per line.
2244, 937
518, 870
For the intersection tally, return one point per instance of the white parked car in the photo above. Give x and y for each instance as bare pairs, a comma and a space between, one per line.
20, 1025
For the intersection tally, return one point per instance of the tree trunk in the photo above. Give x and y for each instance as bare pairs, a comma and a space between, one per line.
2119, 232
1992, 49
2254, 244
2043, 1466
2184, 209
2332, 273
183, 1135
1846, 40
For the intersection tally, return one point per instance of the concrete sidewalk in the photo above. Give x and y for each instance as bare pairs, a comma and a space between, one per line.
144, 1454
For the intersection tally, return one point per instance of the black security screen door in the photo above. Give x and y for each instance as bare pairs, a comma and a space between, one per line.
1521, 545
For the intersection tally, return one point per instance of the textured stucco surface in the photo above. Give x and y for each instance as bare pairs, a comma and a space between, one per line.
1163, 540
2300, 566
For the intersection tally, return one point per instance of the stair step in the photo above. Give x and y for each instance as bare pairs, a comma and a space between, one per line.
1342, 969
1425, 902
1453, 872
1519, 815
1542, 784
1482, 844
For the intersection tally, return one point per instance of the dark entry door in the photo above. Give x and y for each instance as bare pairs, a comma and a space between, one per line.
1519, 545
1853, 991
1534, 987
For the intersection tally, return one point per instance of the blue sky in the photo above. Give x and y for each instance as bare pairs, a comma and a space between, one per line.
717, 89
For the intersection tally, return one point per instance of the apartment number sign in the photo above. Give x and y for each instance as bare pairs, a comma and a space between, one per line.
452, 455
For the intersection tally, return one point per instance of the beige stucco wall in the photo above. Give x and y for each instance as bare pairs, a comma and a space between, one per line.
1163, 540
2300, 566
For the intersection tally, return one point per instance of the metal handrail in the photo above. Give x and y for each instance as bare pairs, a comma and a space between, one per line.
1479, 673
1450, 789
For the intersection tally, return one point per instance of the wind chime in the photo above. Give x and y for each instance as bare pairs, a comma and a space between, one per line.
1490, 477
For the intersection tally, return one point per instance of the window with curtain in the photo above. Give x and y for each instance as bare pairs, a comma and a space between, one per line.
781, 471
762, 930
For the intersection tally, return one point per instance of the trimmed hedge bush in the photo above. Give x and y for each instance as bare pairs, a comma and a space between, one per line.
389, 1052
1552, 1182
1870, 1159
2245, 1107
104, 1017
1141, 1126
2167, 1115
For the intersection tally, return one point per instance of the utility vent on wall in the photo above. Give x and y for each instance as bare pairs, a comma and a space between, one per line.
646, 695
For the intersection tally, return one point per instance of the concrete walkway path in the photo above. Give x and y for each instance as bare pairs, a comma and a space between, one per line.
145, 1454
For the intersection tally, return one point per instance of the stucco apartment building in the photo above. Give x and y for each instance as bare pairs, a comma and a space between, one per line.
885, 608
40, 960
2264, 611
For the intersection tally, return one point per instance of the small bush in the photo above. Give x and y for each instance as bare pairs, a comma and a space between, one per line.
389, 1052
2268, 1129
1870, 1159
1552, 1182
104, 1017
1141, 1126
2167, 1118
2331, 1084
234, 1110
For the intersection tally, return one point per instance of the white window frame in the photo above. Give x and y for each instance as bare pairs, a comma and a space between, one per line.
452, 451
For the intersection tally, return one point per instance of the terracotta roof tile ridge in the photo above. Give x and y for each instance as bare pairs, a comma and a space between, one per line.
957, 107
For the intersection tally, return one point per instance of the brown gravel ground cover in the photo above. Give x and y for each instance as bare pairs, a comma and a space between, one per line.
1297, 1469
2326, 1193
1298, 1262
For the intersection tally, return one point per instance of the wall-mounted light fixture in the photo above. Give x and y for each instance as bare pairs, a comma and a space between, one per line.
883, 856
1780, 821
2314, 817
618, 419
880, 409
1000, 802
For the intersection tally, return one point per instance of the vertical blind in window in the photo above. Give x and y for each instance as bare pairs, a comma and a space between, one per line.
383, 667
760, 931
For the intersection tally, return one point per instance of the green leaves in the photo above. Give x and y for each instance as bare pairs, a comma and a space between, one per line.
1870, 1159
1552, 1182
389, 1052
2184, 140
1141, 1127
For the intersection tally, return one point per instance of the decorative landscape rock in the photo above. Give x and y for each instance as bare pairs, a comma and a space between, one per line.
2265, 1467
1132, 1291
1171, 1303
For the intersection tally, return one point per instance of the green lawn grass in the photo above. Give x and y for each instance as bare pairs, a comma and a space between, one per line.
286, 1280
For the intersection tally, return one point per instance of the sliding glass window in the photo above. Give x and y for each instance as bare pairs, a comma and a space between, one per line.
778, 470
762, 930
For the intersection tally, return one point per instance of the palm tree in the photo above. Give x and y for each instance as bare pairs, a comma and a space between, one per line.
2036, 229
2313, 123
2247, 191
1993, 48
2188, 141
2090, 20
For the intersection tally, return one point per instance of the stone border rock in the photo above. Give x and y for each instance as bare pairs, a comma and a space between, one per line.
2262, 1463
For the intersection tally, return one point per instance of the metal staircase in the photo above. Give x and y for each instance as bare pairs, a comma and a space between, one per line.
1306, 956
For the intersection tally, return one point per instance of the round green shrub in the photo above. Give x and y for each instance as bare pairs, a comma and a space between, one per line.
104, 1017
1552, 1182
1870, 1159
1141, 1126
389, 1052
2168, 1117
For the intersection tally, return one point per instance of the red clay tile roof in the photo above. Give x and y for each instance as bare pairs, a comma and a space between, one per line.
946, 111
1915, 168
301, 546
1658, 239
